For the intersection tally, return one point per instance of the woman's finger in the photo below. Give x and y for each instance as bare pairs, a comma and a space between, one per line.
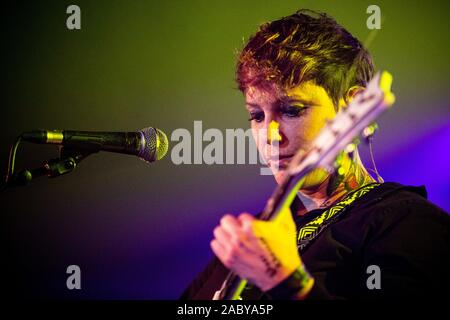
231, 225
222, 236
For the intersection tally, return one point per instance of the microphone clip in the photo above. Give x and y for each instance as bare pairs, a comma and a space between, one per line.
68, 160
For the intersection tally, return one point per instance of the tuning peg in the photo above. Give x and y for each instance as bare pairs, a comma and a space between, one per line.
329, 169
369, 131
385, 86
337, 165
351, 147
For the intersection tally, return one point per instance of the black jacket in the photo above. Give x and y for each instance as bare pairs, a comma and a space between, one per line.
392, 227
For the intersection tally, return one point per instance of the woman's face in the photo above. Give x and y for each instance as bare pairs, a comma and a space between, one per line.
299, 113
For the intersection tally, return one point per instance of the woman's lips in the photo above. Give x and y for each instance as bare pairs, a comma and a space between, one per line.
285, 156
282, 161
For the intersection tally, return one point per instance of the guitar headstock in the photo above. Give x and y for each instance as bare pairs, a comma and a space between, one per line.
348, 124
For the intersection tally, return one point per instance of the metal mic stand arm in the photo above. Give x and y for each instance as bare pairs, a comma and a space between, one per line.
67, 162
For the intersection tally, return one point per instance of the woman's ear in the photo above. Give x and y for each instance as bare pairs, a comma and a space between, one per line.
349, 95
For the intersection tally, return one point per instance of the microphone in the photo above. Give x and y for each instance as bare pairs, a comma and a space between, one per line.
149, 144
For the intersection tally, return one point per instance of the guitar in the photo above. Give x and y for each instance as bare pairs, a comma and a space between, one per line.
337, 136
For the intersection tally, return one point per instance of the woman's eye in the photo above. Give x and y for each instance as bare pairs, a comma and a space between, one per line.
257, 116
294, 111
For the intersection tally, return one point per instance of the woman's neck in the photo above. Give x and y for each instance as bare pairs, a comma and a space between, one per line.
334, 187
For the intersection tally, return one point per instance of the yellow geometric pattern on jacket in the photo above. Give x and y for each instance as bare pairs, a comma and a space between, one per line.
312, 228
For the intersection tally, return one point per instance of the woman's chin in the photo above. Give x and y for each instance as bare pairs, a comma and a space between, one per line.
279, 175
312, 181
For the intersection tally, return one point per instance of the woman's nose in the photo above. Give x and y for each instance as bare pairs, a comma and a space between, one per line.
273, 132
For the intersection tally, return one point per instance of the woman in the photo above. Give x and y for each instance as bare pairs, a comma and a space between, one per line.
370, 240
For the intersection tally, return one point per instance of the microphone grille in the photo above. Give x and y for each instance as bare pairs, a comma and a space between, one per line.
155, 144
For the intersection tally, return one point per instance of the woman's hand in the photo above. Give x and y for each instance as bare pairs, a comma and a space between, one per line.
262, 252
